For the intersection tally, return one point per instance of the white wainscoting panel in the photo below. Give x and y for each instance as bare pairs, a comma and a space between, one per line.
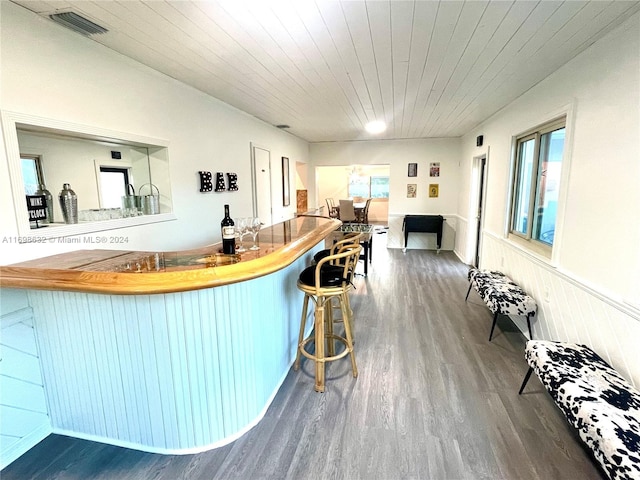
23, 409
168, 373
418, 240
569, 310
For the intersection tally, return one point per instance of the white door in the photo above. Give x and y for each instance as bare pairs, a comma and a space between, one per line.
480, 167
261, 159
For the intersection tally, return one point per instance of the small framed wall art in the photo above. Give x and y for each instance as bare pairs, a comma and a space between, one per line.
412, 190
434, 190
412, 170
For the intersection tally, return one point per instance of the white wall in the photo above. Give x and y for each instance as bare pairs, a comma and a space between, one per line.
586, 292
52, 72
333, 182
398, 154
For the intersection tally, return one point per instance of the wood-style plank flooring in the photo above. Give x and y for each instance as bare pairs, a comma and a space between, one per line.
434, 400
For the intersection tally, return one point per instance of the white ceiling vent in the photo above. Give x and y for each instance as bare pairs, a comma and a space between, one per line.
77, 23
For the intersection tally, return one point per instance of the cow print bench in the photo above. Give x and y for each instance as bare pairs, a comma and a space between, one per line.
502, 295
597, 401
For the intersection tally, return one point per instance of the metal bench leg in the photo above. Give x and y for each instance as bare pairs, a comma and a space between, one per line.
495, 319
526, 379
468, 291
529, 327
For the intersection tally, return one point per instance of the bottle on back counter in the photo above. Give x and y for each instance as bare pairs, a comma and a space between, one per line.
228, 233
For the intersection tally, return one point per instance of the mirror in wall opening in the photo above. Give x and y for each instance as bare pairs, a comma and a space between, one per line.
107, 175
102, 175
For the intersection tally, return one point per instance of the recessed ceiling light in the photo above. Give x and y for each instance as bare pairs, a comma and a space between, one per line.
377, 126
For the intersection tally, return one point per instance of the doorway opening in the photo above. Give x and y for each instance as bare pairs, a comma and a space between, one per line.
358, 182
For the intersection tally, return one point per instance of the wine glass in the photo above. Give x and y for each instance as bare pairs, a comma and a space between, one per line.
255, 228
246, 230
240, 226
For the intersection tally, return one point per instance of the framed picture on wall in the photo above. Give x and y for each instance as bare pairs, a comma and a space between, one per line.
412, 190
413, 170
286, 200
434, 190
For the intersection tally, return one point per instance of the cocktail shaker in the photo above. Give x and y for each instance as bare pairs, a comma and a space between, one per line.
42, 190
69, 204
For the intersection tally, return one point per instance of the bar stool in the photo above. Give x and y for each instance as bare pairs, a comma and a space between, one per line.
330, 278
349, 238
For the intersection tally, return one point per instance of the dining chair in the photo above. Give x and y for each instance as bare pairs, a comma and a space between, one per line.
363, 214
347, 212
331, 205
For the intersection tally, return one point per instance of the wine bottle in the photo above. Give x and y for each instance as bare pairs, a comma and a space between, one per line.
228, 233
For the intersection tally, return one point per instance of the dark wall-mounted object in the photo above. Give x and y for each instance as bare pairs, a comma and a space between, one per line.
412, 171
205, 181
220, 186
479, 140
115, 155
233, 182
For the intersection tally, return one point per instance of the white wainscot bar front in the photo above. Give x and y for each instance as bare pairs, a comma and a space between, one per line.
171, 373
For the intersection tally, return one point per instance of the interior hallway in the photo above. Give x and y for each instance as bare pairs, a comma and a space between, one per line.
433, 400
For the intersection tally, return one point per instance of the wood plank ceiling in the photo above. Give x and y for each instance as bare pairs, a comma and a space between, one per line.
325, 68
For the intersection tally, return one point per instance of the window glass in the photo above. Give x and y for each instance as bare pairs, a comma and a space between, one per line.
546, 206
379, 187
358, 186
523, 185
536, 184
368, 187
30, 174
113, 185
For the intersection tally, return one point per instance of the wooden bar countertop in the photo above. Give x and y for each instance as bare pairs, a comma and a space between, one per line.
133, 272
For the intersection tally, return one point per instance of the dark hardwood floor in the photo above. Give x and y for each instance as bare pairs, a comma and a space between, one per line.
434, 400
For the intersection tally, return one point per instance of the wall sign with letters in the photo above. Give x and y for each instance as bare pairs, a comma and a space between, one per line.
37, 208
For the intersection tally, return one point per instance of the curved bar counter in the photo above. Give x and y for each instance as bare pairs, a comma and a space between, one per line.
109, 271
173, 352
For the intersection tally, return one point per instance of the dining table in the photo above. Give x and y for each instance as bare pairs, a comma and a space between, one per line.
358, 207
366, 241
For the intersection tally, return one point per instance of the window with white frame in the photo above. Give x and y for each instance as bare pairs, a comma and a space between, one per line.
31, 173
536, 183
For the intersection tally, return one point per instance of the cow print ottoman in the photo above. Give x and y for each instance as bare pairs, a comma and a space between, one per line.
595, 398
502, 295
